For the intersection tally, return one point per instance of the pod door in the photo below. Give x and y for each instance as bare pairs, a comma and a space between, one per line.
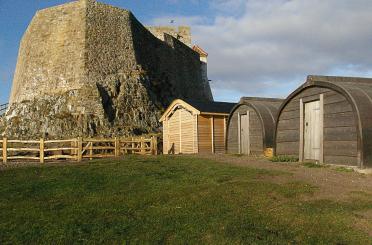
312, 131
244, 134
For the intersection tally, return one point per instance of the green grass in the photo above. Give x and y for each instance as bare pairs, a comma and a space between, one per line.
169, 200
313, 165
344, 169
284, 158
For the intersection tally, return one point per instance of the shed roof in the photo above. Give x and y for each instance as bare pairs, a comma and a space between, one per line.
211, 106
358, 91
266, 109
200, 107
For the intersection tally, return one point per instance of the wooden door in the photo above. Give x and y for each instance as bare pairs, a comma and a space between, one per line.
244, 134
312, 131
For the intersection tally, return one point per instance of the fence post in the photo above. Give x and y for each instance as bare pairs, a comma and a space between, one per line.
91, 150
5, 150
154, 145
143, 151
79, 149
117, 147
133, 145
74, 146
41, 150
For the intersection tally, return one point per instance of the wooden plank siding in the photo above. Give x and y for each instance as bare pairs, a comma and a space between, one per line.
339, 128
174, 133
219, 134
165, 137
189, 127
205, 134
187, 132
179, 133
255, 131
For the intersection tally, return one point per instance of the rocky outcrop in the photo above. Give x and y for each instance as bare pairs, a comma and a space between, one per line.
90, 69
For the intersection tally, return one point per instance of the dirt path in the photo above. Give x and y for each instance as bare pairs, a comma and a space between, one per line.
332, 183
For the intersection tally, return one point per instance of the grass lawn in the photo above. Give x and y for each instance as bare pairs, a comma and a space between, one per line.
170, 200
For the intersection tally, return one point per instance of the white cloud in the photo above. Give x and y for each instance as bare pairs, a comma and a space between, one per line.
273, 45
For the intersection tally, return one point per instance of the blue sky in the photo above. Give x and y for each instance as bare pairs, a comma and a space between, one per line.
256, 47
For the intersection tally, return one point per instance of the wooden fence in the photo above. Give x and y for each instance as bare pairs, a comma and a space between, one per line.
75, 149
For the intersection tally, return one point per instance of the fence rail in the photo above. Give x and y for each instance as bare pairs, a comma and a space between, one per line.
75, 149
3, 109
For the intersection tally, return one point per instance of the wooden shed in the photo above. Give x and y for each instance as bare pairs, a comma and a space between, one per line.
191, 127
329, 120
251, 125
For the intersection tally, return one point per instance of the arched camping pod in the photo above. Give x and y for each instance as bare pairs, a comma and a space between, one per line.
251, 125
328, 119
191, 127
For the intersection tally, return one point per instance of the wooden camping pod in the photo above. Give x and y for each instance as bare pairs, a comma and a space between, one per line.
191, 127
251, 125
328, 119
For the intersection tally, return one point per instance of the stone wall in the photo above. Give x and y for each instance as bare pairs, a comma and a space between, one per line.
90, 69
51, 53
173, 68
181, 33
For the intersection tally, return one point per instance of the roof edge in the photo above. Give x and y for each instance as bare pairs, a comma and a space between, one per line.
173, 104
335, 79
242, 99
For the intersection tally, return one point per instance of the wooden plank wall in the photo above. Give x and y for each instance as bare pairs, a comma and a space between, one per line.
187, 132
340, 130
255, 131
340, 137
205, 134
196, 142
179, 133
219, 134
174, 133
165, 136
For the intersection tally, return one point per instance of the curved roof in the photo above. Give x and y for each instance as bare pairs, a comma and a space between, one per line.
266, 109
358, 91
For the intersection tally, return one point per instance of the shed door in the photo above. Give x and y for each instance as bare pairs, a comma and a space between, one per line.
312, 131
244, 134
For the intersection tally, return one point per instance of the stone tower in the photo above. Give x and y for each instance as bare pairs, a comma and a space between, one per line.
87, 68
182, 33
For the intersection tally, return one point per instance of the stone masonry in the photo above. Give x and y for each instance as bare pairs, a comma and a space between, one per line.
89, 69
182, 33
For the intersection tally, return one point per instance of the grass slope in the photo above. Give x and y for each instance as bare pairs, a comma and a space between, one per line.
168, 200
